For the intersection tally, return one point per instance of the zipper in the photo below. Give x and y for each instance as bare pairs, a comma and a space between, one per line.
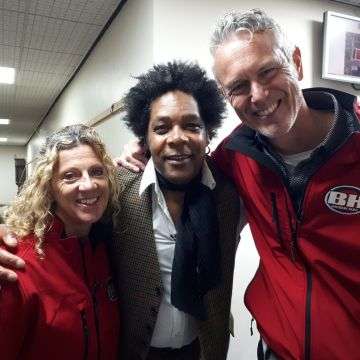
293, 229
85, 329
93, 298
293, 251
307, 340
275, 215
308, 315
96, 314
83, 263
251, 326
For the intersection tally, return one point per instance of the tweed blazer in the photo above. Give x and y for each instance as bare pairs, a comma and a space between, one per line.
137, 269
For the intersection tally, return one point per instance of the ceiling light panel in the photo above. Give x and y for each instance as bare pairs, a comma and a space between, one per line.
45, 41
7, 75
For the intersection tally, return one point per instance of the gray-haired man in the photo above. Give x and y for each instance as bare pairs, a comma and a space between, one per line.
295, 161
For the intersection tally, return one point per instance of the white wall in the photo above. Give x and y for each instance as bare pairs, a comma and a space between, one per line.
151, 31
8, 187
181, 31
124, 50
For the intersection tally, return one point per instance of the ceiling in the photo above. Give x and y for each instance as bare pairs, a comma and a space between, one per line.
45, 41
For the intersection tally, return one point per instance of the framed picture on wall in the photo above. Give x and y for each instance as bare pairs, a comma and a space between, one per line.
341, 48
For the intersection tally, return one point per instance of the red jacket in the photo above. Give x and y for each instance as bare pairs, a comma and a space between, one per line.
305, 296
63, 307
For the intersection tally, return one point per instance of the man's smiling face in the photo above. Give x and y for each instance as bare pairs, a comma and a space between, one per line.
259, 82
176, 137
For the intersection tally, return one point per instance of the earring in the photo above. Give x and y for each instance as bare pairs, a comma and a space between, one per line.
207, 151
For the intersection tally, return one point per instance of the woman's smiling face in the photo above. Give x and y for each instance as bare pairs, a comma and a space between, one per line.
80, 188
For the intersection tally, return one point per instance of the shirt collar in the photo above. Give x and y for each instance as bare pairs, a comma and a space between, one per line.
149, 177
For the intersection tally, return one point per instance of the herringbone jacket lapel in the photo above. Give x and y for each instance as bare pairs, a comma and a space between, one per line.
136, 262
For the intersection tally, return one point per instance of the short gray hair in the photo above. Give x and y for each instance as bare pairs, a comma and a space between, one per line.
253, 21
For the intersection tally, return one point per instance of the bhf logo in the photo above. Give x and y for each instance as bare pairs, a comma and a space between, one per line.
344, 199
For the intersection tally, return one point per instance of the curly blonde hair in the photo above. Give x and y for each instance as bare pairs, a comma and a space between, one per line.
32, 209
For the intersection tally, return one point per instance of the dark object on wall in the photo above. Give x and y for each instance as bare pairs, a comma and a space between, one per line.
341, 48
20, 172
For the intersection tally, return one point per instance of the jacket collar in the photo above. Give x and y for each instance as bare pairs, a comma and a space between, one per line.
251, 143
99, 231
149, 178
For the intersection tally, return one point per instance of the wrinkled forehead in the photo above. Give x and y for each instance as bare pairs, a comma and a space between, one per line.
77, 154
244, 53
243, 39
174, 103
243, 46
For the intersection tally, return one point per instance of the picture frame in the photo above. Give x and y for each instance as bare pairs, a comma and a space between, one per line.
341, 48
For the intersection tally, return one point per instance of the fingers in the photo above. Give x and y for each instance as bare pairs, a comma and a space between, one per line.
10, 260
135, 161
139, 160
135, 154
133, 157
7, 275
123, 162
10, 240
7, 238
7, 259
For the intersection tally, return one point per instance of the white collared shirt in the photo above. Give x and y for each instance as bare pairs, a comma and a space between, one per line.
173, 327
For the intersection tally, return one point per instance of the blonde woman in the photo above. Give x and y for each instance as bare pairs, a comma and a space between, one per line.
64, 305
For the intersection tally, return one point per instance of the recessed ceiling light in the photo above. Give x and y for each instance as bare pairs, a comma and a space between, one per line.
7, 75
3, 139
4, 121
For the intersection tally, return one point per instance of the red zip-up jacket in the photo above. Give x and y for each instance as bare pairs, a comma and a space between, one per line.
63, 307
305, 295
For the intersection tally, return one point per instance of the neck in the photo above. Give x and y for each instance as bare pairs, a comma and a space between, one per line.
175, 202
78, 230
310, 129
166, 184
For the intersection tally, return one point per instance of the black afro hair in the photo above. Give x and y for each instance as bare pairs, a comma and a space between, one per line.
160, 79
